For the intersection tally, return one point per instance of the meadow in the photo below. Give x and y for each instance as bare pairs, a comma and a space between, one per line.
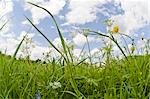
65, 78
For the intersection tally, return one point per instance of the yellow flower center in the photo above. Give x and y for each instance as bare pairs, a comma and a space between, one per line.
115, 29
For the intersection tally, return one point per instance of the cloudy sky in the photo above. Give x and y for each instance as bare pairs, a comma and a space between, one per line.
132, 17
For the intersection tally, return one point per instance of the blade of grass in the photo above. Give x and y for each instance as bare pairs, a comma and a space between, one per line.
64, 48
113, 39
3, 25
70, 54
126, 36
28, 83
18, 47
81, 52
71, 93
89, 49
80, 62
46, 38
59, 32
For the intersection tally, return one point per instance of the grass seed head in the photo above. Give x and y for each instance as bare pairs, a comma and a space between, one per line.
132, 49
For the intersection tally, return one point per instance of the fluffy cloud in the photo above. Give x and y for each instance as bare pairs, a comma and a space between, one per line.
37, 52
23, 33
3, 19
80, 39
54, 6
6, 7
7, 41
8, 45
136, 15
83, 11
76, 52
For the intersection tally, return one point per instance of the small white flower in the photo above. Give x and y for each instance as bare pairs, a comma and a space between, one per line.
55, 85
58, 84
50, 84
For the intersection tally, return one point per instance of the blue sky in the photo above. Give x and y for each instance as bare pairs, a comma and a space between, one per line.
132, 17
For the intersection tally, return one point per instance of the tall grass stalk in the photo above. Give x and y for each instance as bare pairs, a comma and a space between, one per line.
89, 49
3, 25
111, 37
59, 32
68, 69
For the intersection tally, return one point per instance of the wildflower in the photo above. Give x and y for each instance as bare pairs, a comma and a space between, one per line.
85, 32
115, 29
109, 22
55, 85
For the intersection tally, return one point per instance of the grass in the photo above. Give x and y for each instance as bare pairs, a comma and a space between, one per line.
24, 78
126, 78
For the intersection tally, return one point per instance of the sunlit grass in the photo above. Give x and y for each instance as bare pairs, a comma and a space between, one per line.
23, 79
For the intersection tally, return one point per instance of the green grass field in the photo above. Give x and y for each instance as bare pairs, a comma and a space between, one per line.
65, 78
24, 79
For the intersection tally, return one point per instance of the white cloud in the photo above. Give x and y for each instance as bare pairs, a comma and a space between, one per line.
8, 45
94, 51
37, 52
77, 52
80, 39
5, 7
54, 6
136, 15
7, 41
61, 17
23, 33
57, 42
82, 11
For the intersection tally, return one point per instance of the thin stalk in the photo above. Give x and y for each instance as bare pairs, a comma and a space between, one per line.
90, 56
18, 47
46, 38
59, 32
113, 39
70, 54
81, 52
4, 25
126, 45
